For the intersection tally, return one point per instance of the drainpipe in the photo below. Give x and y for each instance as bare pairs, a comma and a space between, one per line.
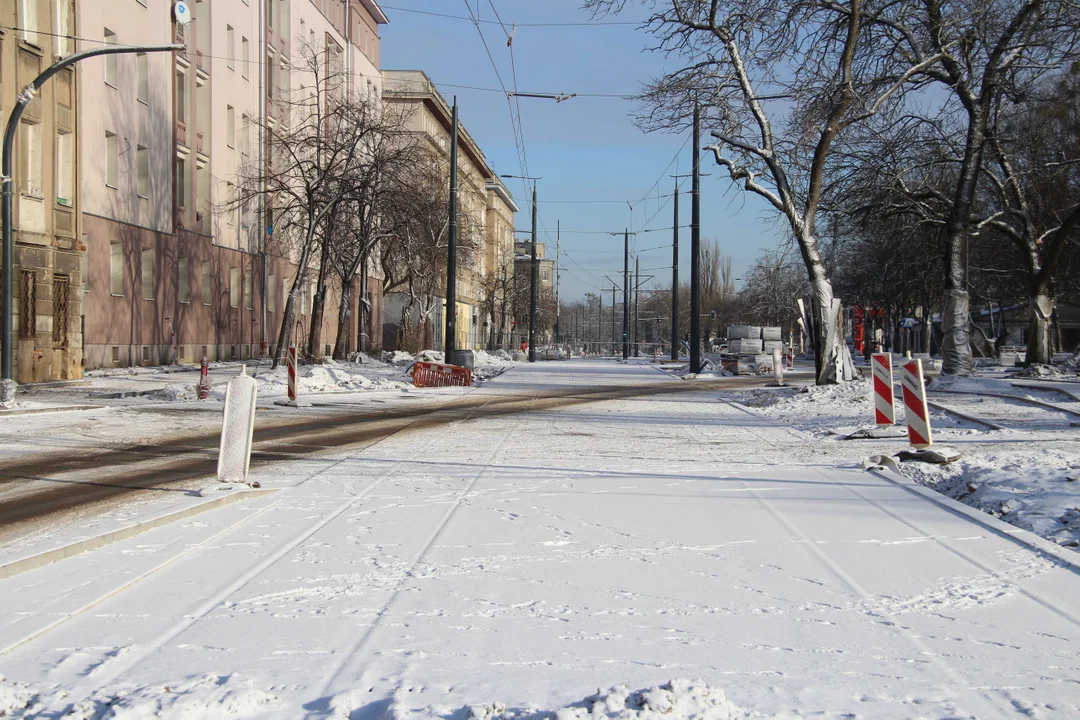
262, 166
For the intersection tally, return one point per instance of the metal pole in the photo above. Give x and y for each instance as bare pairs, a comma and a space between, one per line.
626, 296
7, 355
600, 323
450, 333
695, 250
613, 342
532, 289
675, 279
637, 307
558, 263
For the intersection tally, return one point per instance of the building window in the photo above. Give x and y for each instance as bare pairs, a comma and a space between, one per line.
30, 160
234, 287
65, 168
244, 59
248, 291
148, 274
112, 159
142, 78
230, 126
271, 298
28, 20
27, 328
204, 278
116, 268
110, 60
181, 182
61, 286
63, 27
181, 96
230, 47
183, 282
142, 167
270, 13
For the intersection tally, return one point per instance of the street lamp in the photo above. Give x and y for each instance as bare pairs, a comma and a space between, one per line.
532, 274
7, 382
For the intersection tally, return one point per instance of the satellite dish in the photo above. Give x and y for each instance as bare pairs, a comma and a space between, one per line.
181, 12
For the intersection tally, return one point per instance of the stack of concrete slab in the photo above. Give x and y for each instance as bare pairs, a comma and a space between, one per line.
744, 346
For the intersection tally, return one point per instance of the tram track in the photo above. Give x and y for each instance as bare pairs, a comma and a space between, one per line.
45, 484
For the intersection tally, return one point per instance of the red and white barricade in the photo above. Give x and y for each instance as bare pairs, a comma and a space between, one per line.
915, 410
290, 362
427, 374
884, 410
204, 379
790, 357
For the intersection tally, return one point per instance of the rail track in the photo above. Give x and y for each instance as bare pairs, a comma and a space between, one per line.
47, 483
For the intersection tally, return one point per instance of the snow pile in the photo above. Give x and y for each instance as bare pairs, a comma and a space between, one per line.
816, 408
14, 696
1044, 371
333, 376
1036, 488
679, 699
208, 696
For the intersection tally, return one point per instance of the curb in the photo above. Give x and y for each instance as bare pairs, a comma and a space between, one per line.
50, 556
34, 411
1001, 528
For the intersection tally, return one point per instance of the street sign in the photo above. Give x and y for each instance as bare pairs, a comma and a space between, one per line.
907, 323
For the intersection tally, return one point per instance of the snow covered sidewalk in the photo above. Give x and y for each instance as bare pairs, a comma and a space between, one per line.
511, 566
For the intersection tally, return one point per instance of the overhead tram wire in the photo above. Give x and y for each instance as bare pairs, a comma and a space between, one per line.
493, 22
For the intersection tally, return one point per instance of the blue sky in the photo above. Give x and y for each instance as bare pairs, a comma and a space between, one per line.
585, 148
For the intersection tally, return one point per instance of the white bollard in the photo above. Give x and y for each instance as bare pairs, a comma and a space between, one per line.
778, 366
237, 427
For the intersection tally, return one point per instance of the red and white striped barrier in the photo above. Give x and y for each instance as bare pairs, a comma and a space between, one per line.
790, 356
204, 379
884, 411
915, 411
290, 362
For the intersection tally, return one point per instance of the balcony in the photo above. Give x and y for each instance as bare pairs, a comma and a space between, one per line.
181, 133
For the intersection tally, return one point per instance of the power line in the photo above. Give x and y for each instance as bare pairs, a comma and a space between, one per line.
493, 22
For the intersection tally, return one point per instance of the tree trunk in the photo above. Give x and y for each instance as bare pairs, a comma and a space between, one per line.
288, 320
1040, 311
824, 336
341, 343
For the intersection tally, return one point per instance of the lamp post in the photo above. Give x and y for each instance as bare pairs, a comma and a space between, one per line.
7, 382
532, 273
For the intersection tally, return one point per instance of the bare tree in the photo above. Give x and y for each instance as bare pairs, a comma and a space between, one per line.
985, 55
315, 137
774, 129
415, 262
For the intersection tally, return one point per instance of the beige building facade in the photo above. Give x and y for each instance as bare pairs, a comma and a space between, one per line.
177, 268
48, 253
485, 215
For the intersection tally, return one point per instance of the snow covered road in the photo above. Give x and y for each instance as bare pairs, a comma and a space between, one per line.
518, 563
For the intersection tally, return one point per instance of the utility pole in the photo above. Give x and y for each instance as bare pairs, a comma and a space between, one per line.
626, 296
614, 344
695, 249
558, 268
675, 279
450, 337
532, 290
637, 307
600, 323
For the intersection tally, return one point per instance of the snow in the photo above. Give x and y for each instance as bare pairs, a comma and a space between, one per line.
512, 565
1021, 476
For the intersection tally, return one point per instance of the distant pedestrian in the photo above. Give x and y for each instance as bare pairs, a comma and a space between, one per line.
524, 345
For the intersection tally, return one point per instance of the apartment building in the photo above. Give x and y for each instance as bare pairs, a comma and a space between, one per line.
485, 207
177, 266
47, 268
